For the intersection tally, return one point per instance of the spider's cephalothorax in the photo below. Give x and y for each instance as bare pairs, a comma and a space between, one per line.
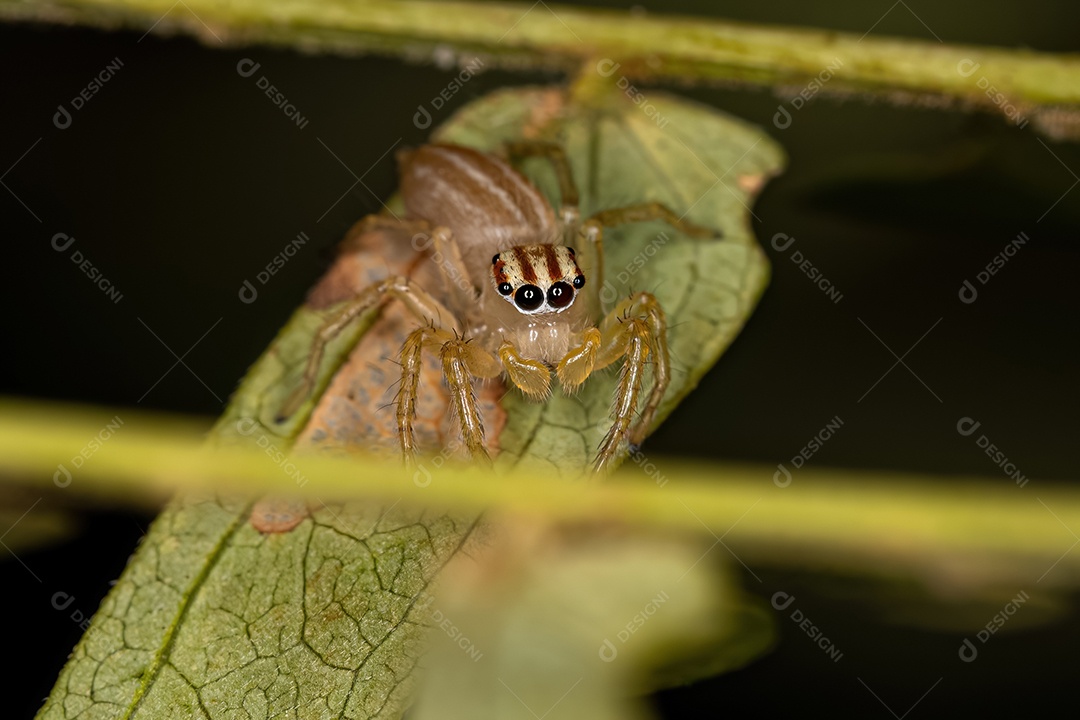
492, 232
537, 278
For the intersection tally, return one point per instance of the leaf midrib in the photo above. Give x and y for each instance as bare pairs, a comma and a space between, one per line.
162, 656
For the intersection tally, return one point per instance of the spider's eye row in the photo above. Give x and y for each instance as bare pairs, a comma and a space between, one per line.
495, 259
560, 295
529, 297
579, 282
505, 288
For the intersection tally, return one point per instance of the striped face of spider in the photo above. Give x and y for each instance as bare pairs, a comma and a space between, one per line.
516, 314
537, 279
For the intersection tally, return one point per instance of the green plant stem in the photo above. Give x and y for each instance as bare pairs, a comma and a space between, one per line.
1041, 86
963, 532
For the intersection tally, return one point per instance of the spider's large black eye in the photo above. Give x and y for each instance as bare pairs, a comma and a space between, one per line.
528, 297
495, 260
560, 295
579, 282
505, 288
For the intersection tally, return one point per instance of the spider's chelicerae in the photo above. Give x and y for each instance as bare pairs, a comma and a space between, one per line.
518, 313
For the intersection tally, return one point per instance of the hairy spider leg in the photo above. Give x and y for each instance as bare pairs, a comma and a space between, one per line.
635, 331
461, 361
569, 198
556, 155
417, 300
580, 362
635, 327
445, 252
643, 212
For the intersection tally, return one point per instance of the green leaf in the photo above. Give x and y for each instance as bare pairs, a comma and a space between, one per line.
216, 619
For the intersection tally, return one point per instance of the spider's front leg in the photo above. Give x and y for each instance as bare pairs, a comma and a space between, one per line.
461, 361
636, 332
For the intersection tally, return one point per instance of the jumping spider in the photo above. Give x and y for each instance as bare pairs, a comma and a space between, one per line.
519, 314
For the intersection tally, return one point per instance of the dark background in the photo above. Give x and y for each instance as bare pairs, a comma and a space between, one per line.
179, 180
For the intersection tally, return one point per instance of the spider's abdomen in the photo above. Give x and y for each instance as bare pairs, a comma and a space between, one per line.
486, 203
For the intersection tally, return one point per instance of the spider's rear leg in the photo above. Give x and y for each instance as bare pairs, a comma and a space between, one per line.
556, 155
418, 301
644, 212
461, 361
445, 253
592, 233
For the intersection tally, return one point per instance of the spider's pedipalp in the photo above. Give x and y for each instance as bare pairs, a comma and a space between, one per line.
579, 363
532, 377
